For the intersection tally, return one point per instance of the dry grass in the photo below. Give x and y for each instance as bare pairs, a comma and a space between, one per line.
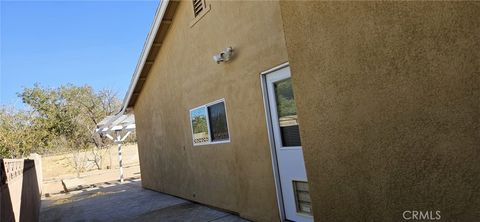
63, 164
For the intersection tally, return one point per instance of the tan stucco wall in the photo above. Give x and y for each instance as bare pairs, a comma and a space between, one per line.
235, 176
389, 105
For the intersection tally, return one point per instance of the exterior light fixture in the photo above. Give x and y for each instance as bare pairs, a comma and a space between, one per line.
223, 56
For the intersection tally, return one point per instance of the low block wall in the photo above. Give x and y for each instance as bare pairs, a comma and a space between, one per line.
20, 189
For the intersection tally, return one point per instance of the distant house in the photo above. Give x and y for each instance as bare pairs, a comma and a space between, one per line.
303, 110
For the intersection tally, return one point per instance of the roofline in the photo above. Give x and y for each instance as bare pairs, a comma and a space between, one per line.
159, 14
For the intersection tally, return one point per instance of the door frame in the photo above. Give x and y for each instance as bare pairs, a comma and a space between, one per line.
271, 139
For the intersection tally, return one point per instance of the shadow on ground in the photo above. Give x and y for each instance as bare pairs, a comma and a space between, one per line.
126, 202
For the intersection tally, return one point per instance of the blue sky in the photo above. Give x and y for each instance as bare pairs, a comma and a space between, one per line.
96, 43
201, 111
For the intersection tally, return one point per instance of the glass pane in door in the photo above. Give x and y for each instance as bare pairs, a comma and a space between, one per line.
287, 113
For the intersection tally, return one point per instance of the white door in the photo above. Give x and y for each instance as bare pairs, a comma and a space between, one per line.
288, 149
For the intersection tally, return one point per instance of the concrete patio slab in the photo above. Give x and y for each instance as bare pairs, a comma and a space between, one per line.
127, 202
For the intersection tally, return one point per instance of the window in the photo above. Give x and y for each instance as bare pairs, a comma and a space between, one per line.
198, 117
218, 122
209, 123
287, 113
302, 197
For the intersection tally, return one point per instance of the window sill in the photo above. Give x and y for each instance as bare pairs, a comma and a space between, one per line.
212, 143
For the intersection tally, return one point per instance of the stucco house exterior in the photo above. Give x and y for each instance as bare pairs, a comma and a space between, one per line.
325, 111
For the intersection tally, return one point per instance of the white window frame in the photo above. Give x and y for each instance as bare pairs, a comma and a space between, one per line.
205, 106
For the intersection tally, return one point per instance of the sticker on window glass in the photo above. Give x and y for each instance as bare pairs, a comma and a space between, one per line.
198, 117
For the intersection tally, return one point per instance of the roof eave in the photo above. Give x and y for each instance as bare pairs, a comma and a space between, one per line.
145, 51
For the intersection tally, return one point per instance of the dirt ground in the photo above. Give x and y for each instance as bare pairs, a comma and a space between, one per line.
58, 167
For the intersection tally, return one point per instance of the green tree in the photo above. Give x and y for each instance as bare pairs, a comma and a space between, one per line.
285, 100
199, 124
66, 118
57, 119
17, 137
